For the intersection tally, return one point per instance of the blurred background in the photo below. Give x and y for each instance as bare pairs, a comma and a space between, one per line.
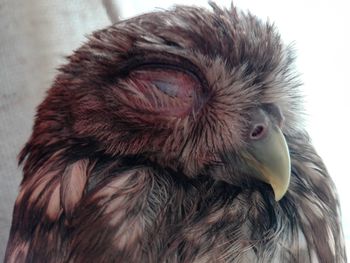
35, 35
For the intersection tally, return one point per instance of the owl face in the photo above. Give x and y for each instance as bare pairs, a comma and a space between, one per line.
189, 89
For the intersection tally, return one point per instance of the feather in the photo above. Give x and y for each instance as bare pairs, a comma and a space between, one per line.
143, 150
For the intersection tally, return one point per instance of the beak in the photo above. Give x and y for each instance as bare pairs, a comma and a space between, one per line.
269, 156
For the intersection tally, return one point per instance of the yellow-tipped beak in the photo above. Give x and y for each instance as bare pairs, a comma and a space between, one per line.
270, 157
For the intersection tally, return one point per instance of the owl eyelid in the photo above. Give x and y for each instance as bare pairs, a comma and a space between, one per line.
165, 87
162, 61
174, 67
173, 83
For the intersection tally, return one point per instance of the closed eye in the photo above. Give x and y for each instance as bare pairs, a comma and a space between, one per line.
166, 87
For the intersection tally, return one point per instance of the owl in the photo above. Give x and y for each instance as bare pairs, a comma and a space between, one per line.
176, 136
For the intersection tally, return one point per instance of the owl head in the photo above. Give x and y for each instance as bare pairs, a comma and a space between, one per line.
204, 93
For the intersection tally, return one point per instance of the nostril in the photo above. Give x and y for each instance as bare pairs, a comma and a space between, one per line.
258, 131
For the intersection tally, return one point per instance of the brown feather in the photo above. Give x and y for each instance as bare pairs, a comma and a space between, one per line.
135, 154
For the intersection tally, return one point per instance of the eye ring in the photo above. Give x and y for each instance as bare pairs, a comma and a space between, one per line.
258, 131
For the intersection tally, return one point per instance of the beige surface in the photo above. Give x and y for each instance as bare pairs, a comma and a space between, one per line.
35, 35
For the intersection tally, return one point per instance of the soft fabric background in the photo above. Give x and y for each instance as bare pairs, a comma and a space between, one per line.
35, 35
